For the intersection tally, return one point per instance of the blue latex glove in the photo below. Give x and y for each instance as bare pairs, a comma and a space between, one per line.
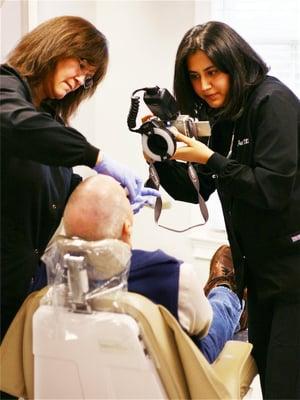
147, 197
122, 174
146, 192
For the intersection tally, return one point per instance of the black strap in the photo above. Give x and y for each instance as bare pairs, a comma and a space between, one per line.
158, 204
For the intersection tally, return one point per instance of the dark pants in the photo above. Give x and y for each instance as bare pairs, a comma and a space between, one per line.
8, 313
274, 331
6, 396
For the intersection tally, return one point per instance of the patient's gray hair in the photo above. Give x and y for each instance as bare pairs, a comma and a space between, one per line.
97, 209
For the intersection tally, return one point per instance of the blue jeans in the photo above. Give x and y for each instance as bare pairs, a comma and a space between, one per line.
227, 309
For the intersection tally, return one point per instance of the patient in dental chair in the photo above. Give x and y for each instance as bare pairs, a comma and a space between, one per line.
99, 209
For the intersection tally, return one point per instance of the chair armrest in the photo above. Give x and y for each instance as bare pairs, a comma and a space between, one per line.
236, 366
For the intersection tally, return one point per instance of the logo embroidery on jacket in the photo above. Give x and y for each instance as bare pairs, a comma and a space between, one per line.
243, 142
295, 238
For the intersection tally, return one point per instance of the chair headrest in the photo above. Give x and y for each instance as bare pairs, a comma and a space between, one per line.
103, 259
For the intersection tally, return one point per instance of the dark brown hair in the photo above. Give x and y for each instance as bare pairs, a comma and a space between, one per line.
231, 54
38, 52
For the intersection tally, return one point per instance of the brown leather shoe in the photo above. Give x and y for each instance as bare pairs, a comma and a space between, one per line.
221, 271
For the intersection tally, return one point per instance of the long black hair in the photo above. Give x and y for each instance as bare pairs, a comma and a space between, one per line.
231, 54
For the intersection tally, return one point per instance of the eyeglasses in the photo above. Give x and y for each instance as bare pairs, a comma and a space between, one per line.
84, 66
88, 82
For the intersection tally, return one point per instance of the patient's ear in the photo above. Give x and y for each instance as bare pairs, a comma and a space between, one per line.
127, 232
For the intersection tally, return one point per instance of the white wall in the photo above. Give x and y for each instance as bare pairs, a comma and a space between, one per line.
13, 24
143, 37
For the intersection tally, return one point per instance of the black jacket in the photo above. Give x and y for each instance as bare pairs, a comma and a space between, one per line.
258, 186
37, 153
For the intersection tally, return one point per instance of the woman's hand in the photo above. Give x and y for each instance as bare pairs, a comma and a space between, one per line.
194, 151
124, 175
147, 158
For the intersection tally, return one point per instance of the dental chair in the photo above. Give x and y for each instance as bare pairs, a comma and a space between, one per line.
90, 338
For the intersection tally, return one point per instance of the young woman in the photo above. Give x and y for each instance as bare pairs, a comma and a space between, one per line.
252, 160
49, 73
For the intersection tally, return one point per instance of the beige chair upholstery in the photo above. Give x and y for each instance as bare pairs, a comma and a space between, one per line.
183, 370
229, 377
16, 358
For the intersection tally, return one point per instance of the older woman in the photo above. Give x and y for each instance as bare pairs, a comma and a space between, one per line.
49, 73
